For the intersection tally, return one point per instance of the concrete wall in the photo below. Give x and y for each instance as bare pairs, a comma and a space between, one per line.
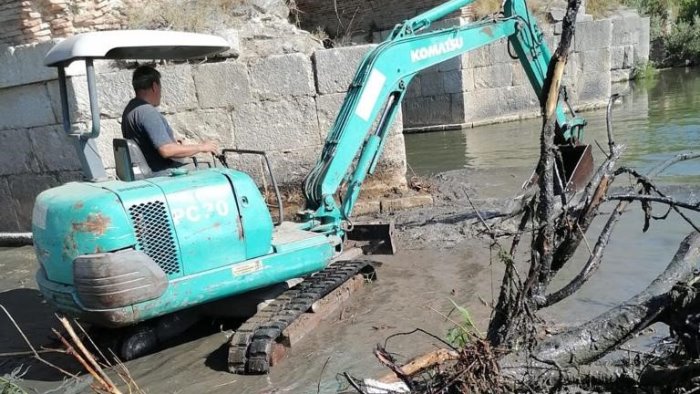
487, 85
281, 104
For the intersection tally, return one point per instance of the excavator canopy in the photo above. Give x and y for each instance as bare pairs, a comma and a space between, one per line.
134, 44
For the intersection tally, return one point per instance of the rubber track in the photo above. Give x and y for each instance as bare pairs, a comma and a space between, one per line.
250, 348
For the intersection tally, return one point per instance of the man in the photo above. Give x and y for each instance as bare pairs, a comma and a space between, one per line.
142, 123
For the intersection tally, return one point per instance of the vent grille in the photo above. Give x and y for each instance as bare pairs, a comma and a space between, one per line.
154, 235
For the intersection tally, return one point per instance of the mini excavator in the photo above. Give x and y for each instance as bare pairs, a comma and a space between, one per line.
133, 251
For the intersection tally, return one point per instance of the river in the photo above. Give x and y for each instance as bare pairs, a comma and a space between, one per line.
655, 120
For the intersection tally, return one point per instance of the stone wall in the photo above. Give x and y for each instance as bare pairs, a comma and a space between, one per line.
281, 104
487, 85
30, 21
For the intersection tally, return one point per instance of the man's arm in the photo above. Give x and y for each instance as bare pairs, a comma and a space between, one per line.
174, 150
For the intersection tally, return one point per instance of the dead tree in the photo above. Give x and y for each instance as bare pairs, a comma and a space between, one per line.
515, 355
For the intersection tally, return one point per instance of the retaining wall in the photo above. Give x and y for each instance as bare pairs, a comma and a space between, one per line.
488, 86
281, 104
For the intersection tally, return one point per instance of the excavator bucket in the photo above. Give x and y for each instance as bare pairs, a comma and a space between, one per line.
576, 165
378, 237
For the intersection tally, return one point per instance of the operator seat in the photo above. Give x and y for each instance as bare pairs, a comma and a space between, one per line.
130, 163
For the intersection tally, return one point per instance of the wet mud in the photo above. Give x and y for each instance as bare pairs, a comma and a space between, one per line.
442, 258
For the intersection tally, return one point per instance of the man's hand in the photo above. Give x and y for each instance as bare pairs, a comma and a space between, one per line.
209, 147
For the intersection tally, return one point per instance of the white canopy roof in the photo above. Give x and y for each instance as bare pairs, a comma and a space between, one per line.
135, 44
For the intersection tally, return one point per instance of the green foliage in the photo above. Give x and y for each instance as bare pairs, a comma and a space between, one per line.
462, 333
8, 385
684, 41
644, 71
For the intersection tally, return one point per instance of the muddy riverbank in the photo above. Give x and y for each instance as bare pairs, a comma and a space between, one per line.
441, 259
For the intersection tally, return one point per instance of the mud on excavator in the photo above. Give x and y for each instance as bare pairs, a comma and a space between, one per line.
136, 251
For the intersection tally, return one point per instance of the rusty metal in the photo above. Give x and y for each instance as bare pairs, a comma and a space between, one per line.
576, 165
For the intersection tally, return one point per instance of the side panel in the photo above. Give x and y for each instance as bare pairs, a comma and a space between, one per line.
206, 220
77, 219
255, 216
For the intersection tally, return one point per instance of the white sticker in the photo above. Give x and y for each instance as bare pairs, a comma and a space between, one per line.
39, 215
370, 95
247, 268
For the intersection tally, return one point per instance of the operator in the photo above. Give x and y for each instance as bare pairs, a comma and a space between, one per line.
142, 123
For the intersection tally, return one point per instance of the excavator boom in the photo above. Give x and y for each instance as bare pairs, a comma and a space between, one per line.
357, 137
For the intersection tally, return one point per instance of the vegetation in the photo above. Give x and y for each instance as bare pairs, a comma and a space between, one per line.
185, 15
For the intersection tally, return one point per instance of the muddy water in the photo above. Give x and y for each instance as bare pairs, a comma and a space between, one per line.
655, 121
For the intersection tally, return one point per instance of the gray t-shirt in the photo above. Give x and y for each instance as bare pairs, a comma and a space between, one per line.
143, 123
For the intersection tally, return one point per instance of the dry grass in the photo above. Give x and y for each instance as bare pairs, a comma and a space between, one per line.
185, 15
484, 8
601, 8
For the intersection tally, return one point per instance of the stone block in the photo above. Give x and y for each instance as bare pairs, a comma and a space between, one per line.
277, 125
451, 64
54, 149
197, 126
392, 162
284, 75
24, 189
621, 75
593, 35
480, 57
414, 88
595, 61
366, 207
335, 68
78, 99
233, 38
109, 130
625, 30
114, 91
622, 57
24, 64
496, 76
222, 85
179, 92
327, 108
8, 214
425, 111
497, 102
18, 156
431, 84
458, 81
593, 87
641, 54
292, 166
25, 106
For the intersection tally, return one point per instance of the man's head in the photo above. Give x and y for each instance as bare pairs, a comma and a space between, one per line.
146, 83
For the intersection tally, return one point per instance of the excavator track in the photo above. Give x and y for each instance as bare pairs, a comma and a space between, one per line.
250, 348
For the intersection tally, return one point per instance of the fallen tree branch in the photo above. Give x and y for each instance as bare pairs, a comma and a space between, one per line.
663, 200
603, 334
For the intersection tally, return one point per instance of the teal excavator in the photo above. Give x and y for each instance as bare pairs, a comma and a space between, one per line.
134, 251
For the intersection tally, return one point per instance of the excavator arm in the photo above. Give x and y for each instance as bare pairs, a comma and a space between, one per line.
356, 139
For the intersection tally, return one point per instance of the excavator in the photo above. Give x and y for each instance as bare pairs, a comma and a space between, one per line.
135, 251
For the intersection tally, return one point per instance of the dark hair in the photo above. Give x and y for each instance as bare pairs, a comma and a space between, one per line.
143, 78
